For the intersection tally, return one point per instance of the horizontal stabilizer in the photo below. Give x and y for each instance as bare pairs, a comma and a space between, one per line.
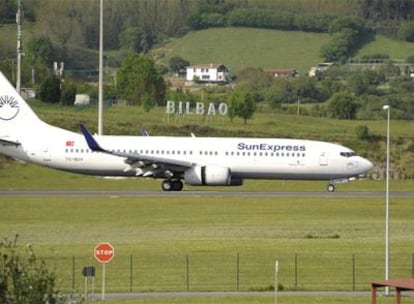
8, 142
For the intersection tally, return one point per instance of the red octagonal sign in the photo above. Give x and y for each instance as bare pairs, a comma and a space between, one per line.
104, 252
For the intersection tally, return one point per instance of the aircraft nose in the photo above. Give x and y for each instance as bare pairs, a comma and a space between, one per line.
366, 165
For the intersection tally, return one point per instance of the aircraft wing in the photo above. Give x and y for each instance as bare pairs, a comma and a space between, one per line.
7, 141
146, 165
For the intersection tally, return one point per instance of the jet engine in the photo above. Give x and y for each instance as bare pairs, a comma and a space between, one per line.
208, 176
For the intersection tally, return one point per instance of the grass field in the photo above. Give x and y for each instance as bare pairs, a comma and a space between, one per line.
396, 49
239, 48
315, 240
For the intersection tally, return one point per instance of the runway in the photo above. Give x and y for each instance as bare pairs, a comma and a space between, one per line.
190, 193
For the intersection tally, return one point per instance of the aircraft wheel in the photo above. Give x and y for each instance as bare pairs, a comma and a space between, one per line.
331, 188
177, 185
167, 185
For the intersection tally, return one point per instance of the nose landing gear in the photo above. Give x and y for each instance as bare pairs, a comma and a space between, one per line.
331, 185
330, 188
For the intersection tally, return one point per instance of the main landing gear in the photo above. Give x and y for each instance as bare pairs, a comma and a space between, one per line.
172, 185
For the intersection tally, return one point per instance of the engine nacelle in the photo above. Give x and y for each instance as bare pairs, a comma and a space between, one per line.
208, 176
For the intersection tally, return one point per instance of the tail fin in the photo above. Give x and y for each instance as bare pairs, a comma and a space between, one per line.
15, 113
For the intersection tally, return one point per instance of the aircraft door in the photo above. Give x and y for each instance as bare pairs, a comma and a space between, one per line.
40, 154
323, 159
46, 155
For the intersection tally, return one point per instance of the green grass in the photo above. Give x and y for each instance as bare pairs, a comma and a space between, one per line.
266, 300
14, 175
239, 48
158, 234
396, 49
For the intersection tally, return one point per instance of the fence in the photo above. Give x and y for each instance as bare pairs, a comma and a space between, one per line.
229, 272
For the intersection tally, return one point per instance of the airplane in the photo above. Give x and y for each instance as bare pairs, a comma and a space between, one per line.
200, 161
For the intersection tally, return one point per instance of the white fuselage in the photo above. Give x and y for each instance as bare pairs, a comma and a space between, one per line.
247, 158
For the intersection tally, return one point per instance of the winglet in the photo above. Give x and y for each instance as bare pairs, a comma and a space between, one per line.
92, 143
144, 132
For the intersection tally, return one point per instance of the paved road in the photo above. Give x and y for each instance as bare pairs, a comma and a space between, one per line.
216, 294
156, 193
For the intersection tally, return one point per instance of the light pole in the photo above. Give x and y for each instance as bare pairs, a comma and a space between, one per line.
387, 199
100, 88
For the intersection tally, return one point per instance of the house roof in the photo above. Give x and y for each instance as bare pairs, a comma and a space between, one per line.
206, 66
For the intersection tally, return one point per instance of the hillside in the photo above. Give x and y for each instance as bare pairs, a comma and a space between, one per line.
246, 47
396, 49
239, 48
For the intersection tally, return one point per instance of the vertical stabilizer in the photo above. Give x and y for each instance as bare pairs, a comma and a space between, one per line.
14, 111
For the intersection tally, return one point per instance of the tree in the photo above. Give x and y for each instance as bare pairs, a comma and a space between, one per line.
254, 79
241, 104
38, 52
347, 32
134, 39
7, 11
341, 105
178, 64
365, 81
50, 90
138, 78
281, 91
39, 48
23, 277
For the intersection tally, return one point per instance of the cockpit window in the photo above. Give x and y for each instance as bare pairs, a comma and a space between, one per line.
348, 154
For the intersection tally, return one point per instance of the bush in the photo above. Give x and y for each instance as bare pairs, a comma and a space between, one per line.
68, 94
362, 132
50, 90
406, 31
24, 278
347, 32
341, 106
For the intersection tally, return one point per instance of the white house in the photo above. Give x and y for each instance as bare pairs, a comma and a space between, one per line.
208, 73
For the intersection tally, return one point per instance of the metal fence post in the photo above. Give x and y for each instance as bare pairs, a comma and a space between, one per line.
238, 272
296, 270
188, 272
73, 273
353, 271
412, 266
131, 272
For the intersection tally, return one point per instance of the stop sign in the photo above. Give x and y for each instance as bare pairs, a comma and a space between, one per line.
104, 252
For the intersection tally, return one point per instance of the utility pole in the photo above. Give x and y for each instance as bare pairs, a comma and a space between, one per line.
19, 21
